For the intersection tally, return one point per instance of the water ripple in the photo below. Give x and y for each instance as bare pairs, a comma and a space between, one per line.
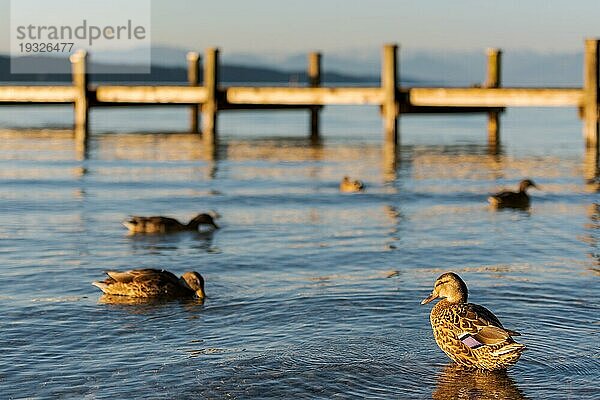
311, 293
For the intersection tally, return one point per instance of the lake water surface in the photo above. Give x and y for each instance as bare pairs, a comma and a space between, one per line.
312, 293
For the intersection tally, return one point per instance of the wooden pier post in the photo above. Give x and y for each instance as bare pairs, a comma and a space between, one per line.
590, 93
81, 106
493, 81
314, 80
193, 59
210, 107
389, 85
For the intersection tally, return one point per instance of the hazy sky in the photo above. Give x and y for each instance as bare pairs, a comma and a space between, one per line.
282, 26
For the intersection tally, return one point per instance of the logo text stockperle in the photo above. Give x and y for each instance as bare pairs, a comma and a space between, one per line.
84, 31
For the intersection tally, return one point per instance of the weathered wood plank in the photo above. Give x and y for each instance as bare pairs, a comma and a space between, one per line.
37, 94
410, 109
389, 87
439, 97
496, 97
250, 107
314, 80
193, 60
303, 95
211, 104
151, 94
494, 73
494, 68
81, 106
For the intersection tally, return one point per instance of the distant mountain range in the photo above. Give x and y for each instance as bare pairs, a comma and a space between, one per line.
419, 68
173, 73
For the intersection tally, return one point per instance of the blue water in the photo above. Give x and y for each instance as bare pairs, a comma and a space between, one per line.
311, 293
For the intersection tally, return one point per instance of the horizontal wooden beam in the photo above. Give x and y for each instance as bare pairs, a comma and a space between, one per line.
410, 109
287, 97
303, 95
495, 97
150, 94
37, 94
243, 107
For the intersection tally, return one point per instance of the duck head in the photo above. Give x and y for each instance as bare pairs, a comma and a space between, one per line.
526, 184
358, 185
202, 219
449, 286
194, 281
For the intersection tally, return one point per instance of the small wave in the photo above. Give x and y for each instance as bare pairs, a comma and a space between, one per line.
60, 299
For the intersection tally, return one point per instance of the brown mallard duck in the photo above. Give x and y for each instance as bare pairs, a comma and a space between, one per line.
469, 333
348, 185
519, 199
158, 224
152, 283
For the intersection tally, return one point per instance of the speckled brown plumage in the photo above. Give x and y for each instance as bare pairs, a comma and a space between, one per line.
351, 186
152, 283
509, 199
468, 333
158, 224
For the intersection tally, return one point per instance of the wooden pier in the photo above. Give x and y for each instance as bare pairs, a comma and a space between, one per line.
210, 98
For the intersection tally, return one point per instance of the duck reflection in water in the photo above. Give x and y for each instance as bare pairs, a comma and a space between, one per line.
202, 241
456, 382
145, 301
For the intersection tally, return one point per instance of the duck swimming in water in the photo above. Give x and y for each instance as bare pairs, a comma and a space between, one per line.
518, 199
152, 283
351, 186
158, 224
470, 334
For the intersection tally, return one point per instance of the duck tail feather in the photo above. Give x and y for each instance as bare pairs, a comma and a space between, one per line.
101, 285
512, 348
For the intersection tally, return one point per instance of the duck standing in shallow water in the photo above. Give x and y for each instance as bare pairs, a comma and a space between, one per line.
469, 333
351, 186
518, 199
158, 224
152, 283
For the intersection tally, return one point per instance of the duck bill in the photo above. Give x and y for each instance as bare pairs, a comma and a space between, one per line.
431, 297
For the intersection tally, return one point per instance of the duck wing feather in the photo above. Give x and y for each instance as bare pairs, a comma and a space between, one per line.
144, 222
167, 222
504, 195
481, 324
140, 275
